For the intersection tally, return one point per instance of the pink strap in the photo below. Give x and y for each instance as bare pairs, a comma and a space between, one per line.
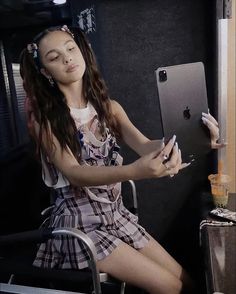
94, 125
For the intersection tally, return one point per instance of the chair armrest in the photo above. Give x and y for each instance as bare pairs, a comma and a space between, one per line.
91, 250
134, 195
41, 235
47, 210
73, 232
130, 200
36, 236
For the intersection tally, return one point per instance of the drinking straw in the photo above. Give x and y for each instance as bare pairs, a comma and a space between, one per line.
219, 175
220, 169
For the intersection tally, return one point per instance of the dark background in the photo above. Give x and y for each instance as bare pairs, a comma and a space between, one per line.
131, 40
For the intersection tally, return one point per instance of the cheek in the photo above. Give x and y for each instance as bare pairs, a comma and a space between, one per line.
81, 60
52, 70
83, 67
55, 71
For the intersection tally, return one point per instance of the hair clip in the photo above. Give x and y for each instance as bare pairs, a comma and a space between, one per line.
65, 28
33, 49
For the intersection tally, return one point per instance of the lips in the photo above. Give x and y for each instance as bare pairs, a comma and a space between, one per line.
72, 68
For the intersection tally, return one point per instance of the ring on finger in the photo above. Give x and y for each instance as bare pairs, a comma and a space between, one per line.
165, 157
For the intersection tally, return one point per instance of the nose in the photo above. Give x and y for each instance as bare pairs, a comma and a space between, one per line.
67, 59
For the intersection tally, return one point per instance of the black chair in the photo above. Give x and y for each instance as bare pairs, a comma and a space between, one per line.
18, 248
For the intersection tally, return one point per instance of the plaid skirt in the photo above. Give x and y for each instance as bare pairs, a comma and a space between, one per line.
107, 224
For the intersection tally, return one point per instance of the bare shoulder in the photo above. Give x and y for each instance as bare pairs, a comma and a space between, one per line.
116, 108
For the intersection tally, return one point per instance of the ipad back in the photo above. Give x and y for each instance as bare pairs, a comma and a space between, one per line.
183, 98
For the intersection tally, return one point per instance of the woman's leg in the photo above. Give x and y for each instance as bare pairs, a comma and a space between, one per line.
158, 254
129, 265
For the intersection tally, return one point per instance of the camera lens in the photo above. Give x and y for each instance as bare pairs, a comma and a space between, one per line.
162, 75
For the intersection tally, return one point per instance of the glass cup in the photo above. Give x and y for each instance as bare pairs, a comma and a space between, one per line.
219, 189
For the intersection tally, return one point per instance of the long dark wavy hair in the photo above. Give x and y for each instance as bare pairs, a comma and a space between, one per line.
49, 105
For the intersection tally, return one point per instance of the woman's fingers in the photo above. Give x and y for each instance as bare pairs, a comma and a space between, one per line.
209, 123
174, 164
169, 156
174, 159
213, 128
185, 164
215, 145
210, 118
165, 153
168, 162
158, 164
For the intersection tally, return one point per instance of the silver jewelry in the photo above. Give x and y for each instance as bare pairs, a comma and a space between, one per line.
51, 81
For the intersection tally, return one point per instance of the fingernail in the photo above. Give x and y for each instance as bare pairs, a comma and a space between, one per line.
173, 138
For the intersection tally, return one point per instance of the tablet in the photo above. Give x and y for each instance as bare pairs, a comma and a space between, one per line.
183, 97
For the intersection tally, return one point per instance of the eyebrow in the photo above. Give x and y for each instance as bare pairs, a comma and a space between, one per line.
53, 50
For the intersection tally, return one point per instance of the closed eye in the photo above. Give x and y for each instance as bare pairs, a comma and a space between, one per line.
54, 58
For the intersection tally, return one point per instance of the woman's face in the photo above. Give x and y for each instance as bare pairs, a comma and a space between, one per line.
61, 58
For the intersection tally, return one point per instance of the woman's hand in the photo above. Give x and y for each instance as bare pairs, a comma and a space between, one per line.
158, 164
213, 127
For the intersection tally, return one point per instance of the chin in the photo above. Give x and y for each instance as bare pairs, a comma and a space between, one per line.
73, 79
78, 79
76, 75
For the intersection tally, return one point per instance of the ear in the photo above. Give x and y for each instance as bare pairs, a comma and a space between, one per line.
45, 73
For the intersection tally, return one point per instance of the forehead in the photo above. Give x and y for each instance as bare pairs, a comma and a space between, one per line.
53, 40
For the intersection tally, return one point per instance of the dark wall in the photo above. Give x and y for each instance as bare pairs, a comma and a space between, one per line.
132, 39
135, 38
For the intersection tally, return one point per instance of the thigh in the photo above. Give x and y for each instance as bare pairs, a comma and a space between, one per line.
129, 265
154, 251
158, 254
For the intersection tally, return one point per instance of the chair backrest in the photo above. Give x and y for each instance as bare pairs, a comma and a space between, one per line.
23, 194
130, 197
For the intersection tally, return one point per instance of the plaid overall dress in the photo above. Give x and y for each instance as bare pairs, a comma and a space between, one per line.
97, 211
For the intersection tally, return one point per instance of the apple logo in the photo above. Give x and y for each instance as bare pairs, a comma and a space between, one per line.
186, 113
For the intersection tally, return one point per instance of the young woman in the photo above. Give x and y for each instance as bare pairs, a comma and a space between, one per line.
76, 126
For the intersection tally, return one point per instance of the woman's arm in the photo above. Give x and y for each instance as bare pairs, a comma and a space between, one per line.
147, 166
132, 136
